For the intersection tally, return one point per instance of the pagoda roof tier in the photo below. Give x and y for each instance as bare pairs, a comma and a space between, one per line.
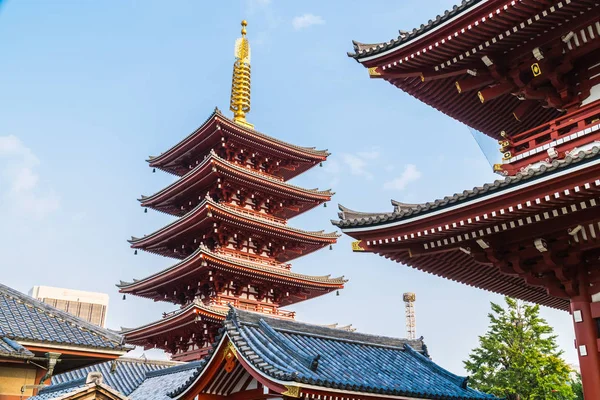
203, 217
216, 127
507, 50
195, 269
443, 237
190, 318
204, 176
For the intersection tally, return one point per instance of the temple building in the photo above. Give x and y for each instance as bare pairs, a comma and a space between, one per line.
231, 238
526, 73
38, 341
256, 357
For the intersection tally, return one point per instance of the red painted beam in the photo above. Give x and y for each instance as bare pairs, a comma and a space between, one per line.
523, 109
493, 92
474, 82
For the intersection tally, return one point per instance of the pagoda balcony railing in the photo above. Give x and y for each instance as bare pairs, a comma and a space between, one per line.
563, 133
256, 307
255, 214
256, 259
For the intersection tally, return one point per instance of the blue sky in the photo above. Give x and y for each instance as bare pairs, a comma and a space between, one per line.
90, 89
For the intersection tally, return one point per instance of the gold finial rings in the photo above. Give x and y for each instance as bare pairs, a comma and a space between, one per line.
244, 24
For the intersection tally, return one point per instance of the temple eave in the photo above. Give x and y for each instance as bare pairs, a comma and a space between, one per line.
217, 122
212, 210
214, 168
194, 269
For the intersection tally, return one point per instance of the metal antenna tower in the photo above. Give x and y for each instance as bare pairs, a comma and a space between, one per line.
409, 307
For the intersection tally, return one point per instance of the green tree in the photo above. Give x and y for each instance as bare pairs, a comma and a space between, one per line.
518, 357
577, 387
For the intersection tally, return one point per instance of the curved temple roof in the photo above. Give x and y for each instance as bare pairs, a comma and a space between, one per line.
317, 358
364, 50
267, 142
264, 181
259, 268
481, 46
207, 207
194, 308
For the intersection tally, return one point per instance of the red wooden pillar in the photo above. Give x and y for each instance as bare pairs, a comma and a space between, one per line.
586, 336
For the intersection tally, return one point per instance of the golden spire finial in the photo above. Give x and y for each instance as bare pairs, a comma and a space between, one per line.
240, 83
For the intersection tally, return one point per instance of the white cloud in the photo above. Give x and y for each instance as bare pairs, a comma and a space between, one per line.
369, 155
357, 165
307, 20
409, 175
20, 181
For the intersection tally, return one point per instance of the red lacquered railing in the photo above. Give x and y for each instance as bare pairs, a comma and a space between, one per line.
534, 140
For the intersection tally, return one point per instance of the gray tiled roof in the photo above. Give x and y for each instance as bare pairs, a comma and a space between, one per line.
363, 50
57, 391
160, 385
23, 318
350, 218
123, 374
331, 358
75, 389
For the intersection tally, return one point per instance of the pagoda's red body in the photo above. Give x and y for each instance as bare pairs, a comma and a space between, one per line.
232, 200
527, 73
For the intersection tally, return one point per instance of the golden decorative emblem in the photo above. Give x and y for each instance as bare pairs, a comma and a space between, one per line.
498, 168
240, 83
292, 391
229, 355
457, 84
356, 246
535, 68
481, 98
504, 146
373, 71
507, 155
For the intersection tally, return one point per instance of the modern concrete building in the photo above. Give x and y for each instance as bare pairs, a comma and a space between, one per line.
89, 306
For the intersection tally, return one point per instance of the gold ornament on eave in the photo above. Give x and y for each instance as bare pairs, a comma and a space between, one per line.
240, 83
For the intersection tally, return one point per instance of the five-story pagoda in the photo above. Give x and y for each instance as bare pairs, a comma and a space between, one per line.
231, 238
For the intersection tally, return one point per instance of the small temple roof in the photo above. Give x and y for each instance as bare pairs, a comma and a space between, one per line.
260, 268
123, 374
351, 219
11, 349
364, 50
317, 356
25, 319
